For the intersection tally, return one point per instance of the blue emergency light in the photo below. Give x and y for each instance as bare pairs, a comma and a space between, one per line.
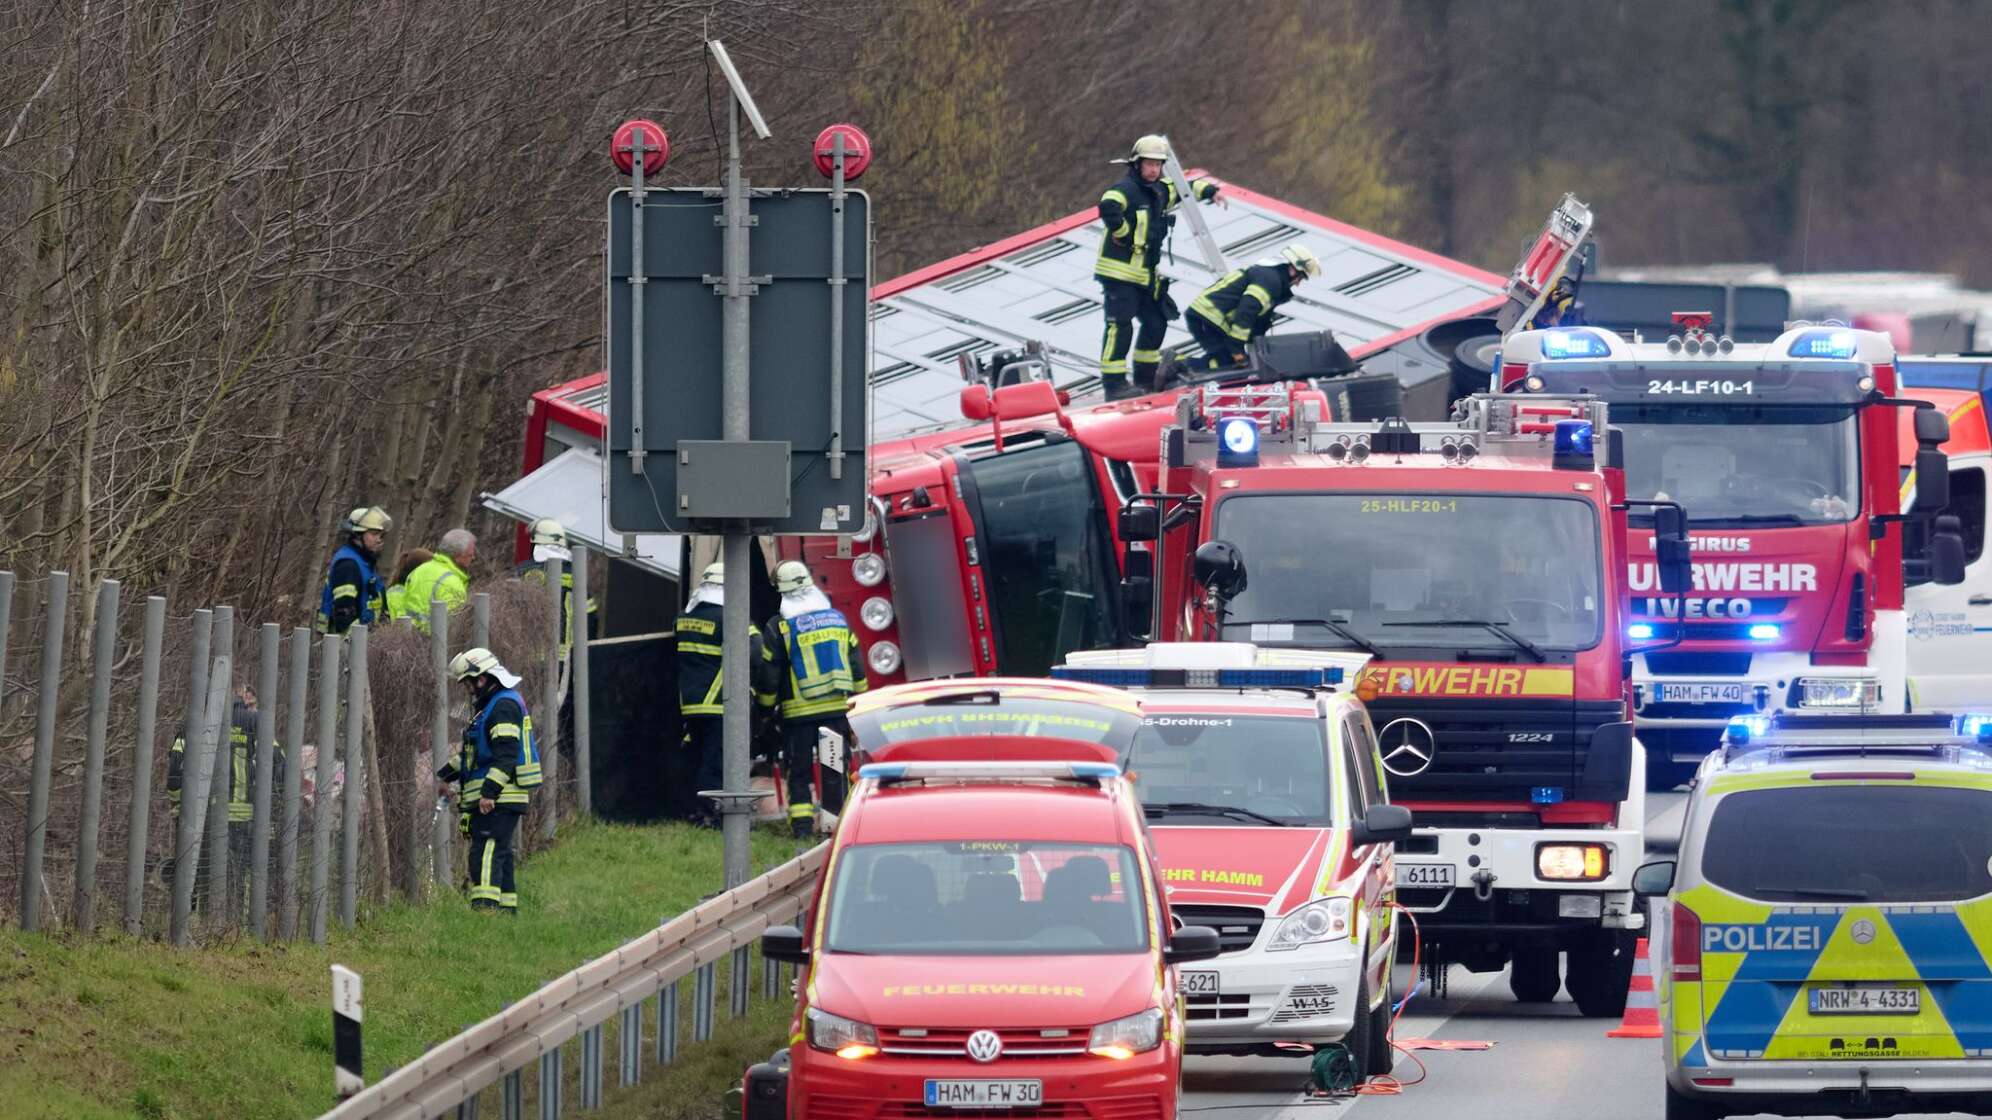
1764, 631
1742, 728
1200, 678
1571, 446
1546, 795
1237, 442
1825, 344
1975, 724
1639, 631
1574, 344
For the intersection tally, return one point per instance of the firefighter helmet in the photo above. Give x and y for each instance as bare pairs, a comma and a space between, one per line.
480, 662
1152, 146
368, 519
714, 573
549, 532
792, 576
1302, 258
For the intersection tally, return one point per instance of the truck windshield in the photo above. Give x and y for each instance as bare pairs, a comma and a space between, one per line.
1042, 540
1881, 843
1264, 766
1744, 464
1414, 569
987, 898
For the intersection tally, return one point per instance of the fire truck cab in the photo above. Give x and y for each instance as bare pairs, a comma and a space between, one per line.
1477, 563
1785, 456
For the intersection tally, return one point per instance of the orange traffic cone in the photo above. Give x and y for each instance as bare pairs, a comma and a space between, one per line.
1642, 1014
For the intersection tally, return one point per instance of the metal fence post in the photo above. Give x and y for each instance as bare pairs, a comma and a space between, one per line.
293, 792
550, 700
737, 982
480, 620
186, 844
44, 762
577, 670
103, 652
667, 1024
6, 618
629, 1068
442, 824
349, 840
194, 798
138, 843
259, 797
591, 1068
223, 900
705, 982
549, 1085
322, 807
512, 1096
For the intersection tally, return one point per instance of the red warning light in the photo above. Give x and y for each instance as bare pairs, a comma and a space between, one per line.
857, 151
656, 147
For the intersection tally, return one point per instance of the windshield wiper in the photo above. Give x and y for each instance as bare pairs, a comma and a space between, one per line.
1336, 628
1838, 894
1167, 807
1496, 628
1753, 519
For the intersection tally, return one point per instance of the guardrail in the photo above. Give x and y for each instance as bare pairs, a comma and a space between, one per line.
450, 1075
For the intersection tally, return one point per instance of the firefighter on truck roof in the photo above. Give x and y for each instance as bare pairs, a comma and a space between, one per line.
1239, 307
1138, 212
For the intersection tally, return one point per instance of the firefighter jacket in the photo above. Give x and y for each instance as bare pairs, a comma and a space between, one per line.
816, 659
1138, 216
498, 759
353, 591
436, 580
241, 765
533, 573
1241, 302
701, 666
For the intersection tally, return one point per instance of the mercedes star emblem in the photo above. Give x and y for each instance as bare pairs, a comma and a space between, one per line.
985, 1046
1863, 931
1408, 747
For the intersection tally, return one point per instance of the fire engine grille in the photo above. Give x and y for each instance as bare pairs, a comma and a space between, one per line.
1237, 926
1495, 750
1210, 1008
952, 1042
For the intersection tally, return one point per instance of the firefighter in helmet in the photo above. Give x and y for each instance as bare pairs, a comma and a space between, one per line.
354, 591
701, 679
495, 772
1138, 212
1239, 307
549, 540
811, 650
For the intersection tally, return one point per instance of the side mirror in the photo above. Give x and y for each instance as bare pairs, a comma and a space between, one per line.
1946, 552
1192, 943
1653, 879
1932, 426
1933, 489
1137, 601
1382, 824
784, 943
1670, 550
1219, 566
1140, 523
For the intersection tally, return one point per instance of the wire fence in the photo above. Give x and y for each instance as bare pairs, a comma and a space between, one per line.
192, 777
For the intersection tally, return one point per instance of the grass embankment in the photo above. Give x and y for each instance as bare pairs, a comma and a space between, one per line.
116, 1027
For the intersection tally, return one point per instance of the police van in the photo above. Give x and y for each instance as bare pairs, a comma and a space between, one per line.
1265, 794
1822, 943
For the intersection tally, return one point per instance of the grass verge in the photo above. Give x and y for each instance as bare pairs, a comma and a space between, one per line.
117, 1027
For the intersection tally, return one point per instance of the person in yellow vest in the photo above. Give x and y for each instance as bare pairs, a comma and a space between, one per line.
443, 578
241, 775
397, 591
496, 771
811, 650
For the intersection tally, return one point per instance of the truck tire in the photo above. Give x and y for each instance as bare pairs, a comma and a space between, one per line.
1532, 975
1601, 972
1680, 1107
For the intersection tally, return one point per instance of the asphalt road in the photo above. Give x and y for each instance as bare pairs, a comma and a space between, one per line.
1547, 1061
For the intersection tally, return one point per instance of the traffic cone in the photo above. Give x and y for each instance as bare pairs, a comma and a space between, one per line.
1642, 1013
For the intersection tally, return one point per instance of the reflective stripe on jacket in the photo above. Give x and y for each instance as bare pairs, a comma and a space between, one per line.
363, 589
1137, 220
819, 663
435, 580
1241, 302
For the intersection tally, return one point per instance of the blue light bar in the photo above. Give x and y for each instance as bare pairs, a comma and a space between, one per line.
1546, 795
1200, 678
1976, 724
1237, 442
1100, 770
882, 771
1741, 728
1764, 631
1825, 344
1112, 678
1639, 631
1574, 344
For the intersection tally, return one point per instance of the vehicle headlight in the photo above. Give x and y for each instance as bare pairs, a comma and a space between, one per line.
869, 569
1851, 693
883, 657
1578, 863
877, 612
1124, 1038
846, 1038
1325, 920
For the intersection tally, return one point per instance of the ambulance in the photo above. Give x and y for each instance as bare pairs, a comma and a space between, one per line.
990, 933
1822, 944
1267, 800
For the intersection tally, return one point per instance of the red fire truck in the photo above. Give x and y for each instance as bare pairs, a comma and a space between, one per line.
1787, 457
1478, 563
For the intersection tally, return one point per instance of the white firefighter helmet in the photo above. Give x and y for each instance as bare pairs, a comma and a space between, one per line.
1302, 258
715, 573
368, 519
550, 541
792, 576
480, 662
1151, 146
